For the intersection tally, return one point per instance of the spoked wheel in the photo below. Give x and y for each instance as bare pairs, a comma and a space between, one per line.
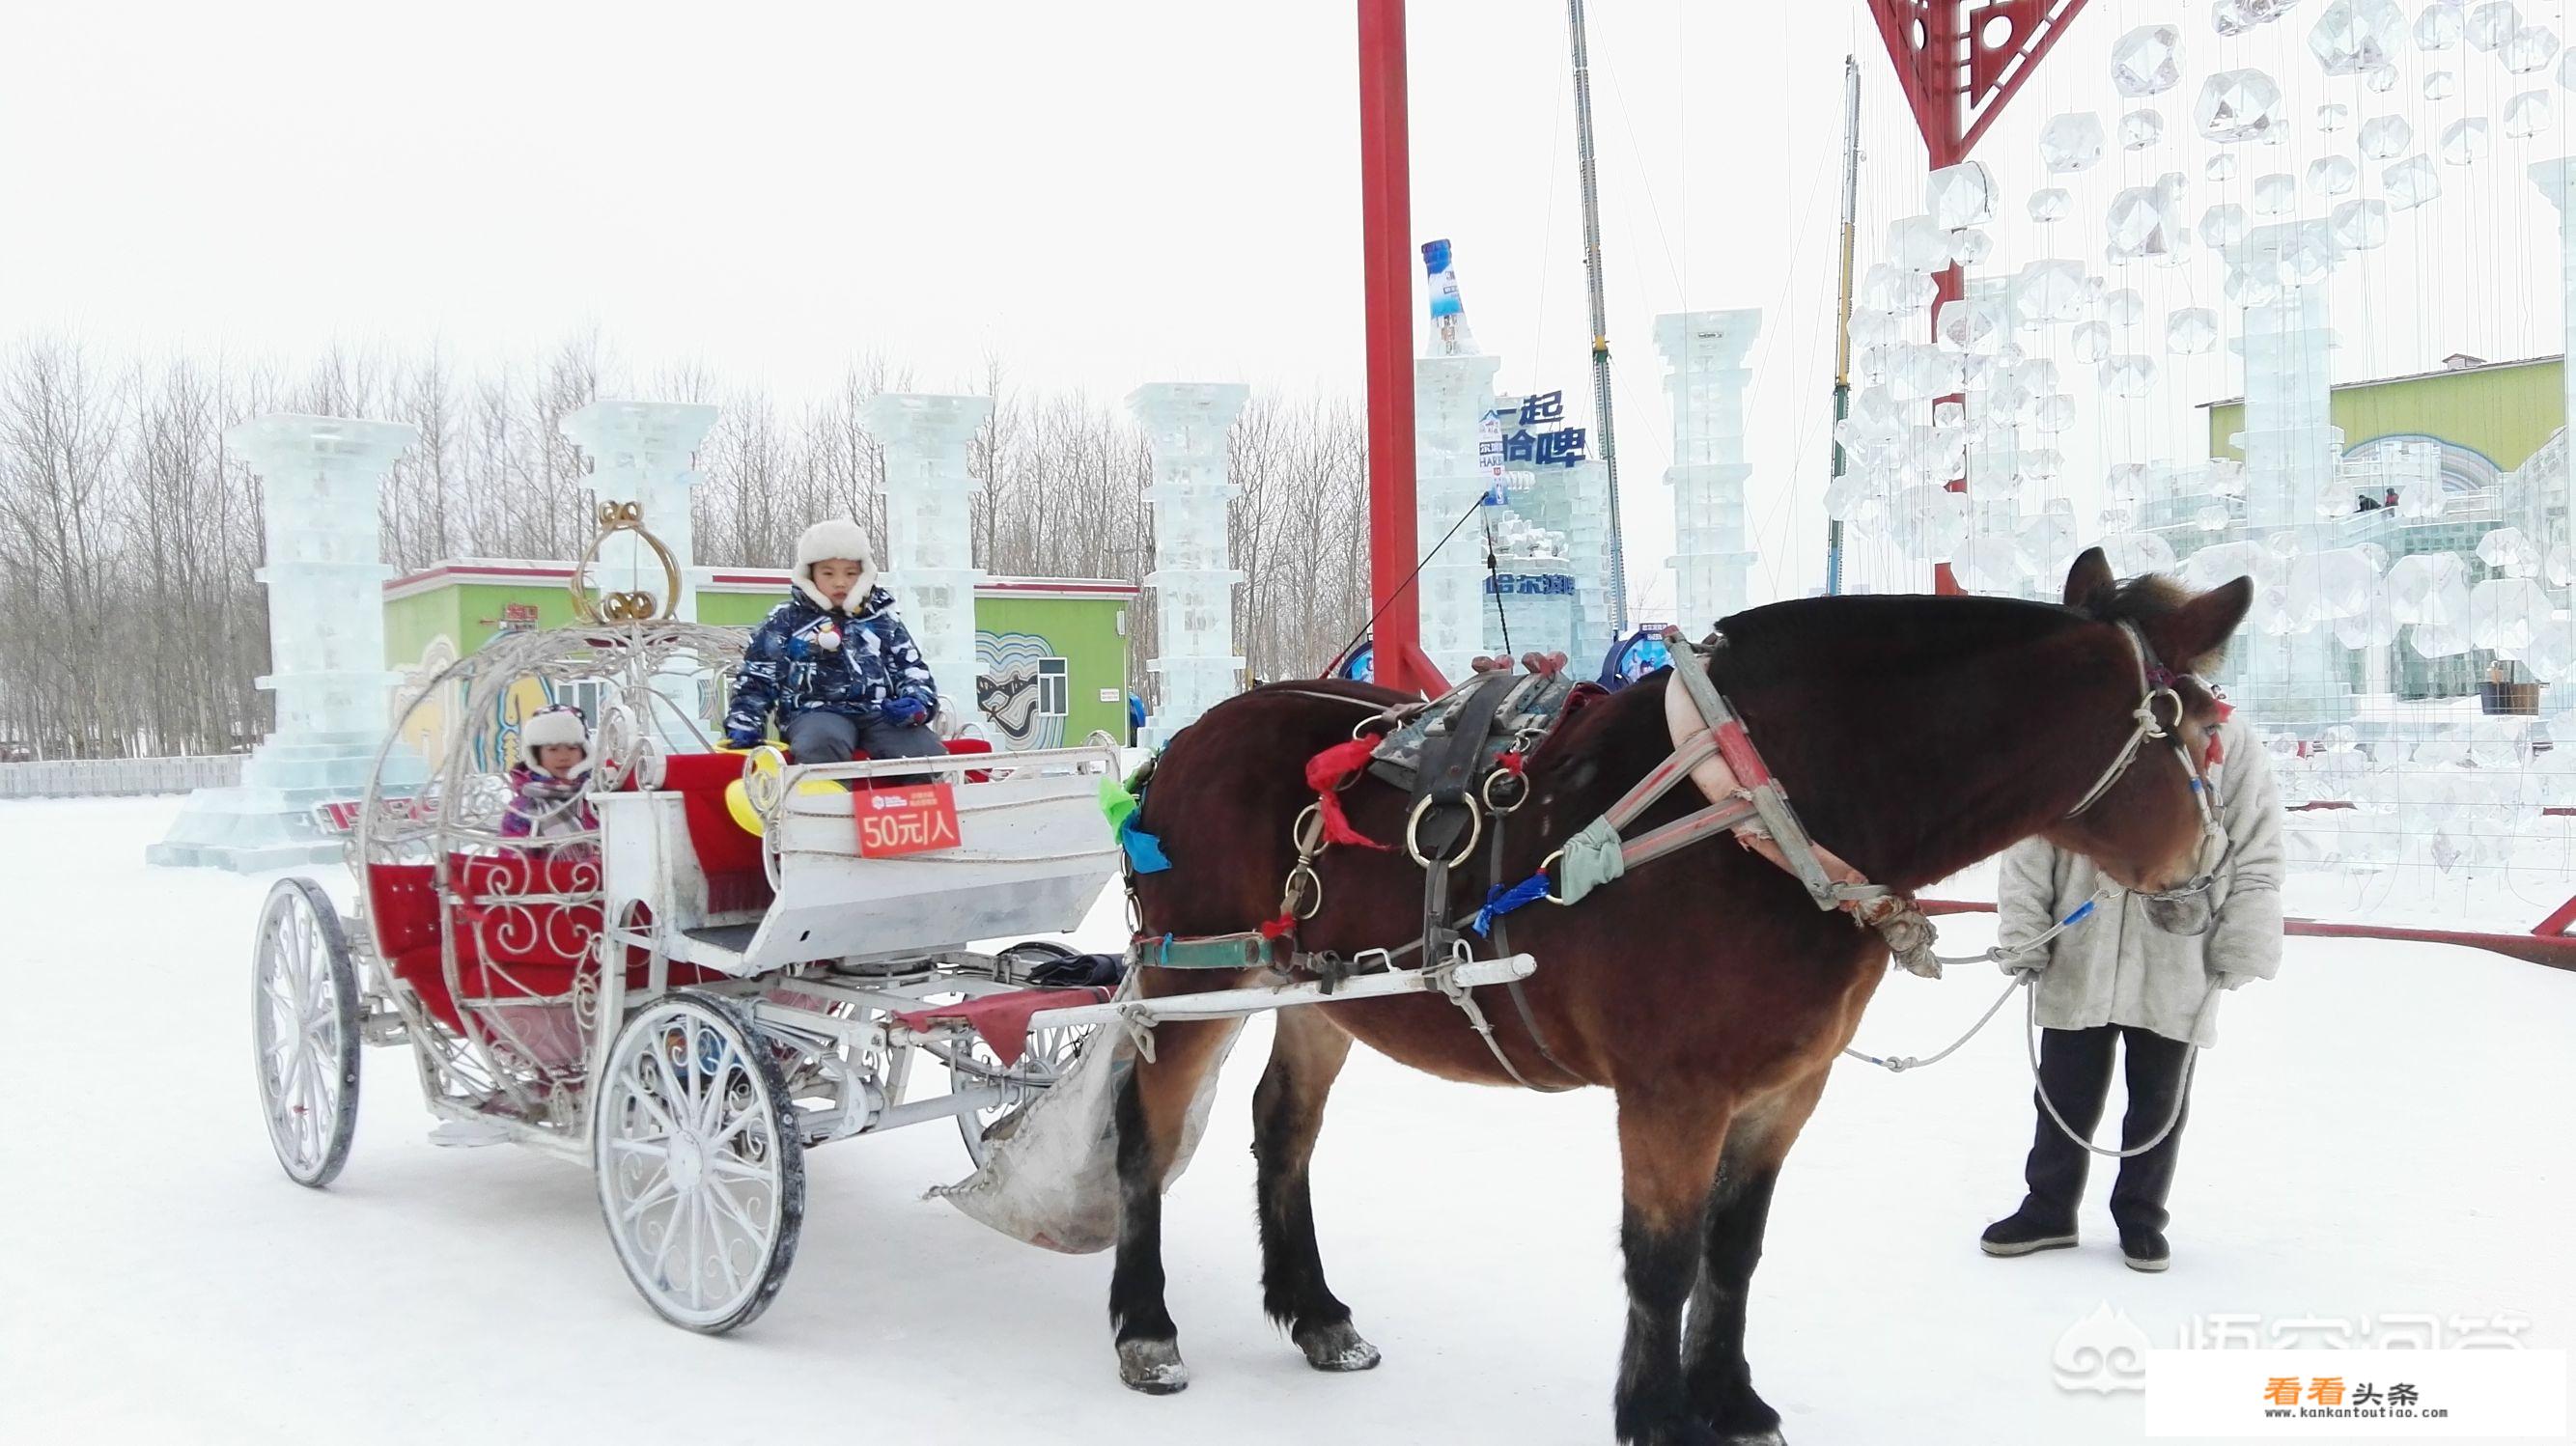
305, 1028
701, 1178
1051, 1054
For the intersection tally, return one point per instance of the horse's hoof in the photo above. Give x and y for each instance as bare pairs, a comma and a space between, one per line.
1338, 1348
1153, 1367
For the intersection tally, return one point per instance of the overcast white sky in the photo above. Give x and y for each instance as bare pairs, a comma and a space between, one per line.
1098, 193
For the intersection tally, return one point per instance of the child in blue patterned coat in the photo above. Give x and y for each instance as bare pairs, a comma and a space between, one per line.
834, 664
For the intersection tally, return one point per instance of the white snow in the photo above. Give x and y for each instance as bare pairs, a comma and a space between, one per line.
2385, 1129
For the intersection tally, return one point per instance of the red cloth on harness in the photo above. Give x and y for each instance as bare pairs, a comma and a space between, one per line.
1002, 1020
1326, 772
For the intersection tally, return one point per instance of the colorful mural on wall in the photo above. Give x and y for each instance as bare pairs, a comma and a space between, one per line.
1022, 686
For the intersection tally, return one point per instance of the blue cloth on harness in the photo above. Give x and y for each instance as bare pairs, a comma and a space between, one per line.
1144, 850
1499, 901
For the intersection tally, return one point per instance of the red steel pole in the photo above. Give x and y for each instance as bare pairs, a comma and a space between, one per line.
1386, 243
1949, 286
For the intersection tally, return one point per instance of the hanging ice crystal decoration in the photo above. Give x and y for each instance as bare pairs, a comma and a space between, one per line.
2411, 182
1978, 325
2134, 553
1918, 373
2250, 289
2527, 114
2440, 84
2507, 614
2464, 142
2071, 142
2361, 225
2308, 253
2354, 35
2140, 129
2147, 61
2509, 550
1887, 288
2385, 137
2191, 331
2123, 307
2274, 195
1960, 196
2238, 105
2531, 49
2091, 341
2440, 26
2047, 291
2128, 374
1919, 244
1871, 328
2493, 24
2332, 175
2145, 220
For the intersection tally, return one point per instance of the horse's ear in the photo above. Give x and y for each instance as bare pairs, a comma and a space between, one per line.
2089, 578
2188, 637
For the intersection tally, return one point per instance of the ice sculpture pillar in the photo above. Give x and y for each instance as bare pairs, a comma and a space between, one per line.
1706, 350
2292, 674
1451, 395
1186, 426
645, 452
326, 645
929, 543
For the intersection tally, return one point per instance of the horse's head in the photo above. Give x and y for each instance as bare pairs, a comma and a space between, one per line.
2150, 822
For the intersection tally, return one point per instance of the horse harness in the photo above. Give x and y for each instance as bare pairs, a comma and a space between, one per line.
1464, 756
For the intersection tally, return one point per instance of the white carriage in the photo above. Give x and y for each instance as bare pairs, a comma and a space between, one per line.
685, 990
657, 991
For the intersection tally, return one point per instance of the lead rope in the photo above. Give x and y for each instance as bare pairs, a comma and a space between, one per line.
1899, 1064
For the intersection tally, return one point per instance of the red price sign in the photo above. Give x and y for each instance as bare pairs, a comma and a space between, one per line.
912, 819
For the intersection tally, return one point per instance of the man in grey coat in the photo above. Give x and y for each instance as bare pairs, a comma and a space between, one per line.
2118, 976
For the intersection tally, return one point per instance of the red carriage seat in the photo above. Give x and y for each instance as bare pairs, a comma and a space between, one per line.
521, 950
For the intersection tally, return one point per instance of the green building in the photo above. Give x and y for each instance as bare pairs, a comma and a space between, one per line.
1051, 653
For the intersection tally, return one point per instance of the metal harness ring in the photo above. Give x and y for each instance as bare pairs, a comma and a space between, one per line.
1475, 832
1545, 868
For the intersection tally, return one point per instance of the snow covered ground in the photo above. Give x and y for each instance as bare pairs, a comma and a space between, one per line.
2385, 1130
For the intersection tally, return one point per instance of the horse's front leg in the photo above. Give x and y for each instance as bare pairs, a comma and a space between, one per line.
1669, 1141
1287, 1113
1153, 1104
1720, 1380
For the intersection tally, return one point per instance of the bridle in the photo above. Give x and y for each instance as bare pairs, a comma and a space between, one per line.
2157, 682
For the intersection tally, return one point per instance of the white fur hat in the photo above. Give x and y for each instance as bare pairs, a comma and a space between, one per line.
553, 726
824, 541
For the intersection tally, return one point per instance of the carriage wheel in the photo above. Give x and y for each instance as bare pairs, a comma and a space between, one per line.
1051, 1054
701, 1175
304, 1027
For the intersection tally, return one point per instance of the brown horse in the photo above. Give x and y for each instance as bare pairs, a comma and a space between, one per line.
1915, 736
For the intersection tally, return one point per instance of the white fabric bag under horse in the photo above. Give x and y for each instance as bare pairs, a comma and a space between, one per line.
1051, 1177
